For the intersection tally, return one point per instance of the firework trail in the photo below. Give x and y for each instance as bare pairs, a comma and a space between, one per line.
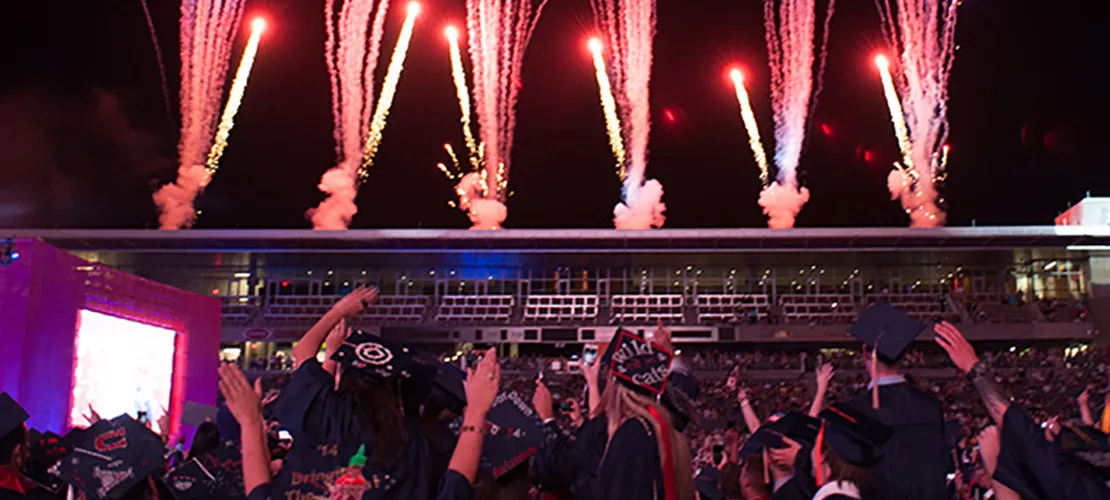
748, 116
352, 57
458, 74
630, 28
609, 107
389, 90
923, 34
499, 32
207, 32
161, 61
789, 31
234, 99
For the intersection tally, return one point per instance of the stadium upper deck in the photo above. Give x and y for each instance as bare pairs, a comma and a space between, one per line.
561, 285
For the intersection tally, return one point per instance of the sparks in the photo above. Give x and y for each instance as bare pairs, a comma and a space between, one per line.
609, 108
897, 117
748, 116
462, 92
389, 90
234, 100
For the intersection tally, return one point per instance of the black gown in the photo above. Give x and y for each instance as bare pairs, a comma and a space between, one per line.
570, 463
630, 469
915, 459
1036, 469
802, 486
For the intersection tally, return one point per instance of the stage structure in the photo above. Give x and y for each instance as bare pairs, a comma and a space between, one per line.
74, 333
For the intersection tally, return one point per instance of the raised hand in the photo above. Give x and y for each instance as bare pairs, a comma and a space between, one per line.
824, 376
1084, 397
482, 383
541, 401
336, 337
244, 403
662, 337
357, 301
957, 347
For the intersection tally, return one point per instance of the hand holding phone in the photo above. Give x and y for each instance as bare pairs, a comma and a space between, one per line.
589, 355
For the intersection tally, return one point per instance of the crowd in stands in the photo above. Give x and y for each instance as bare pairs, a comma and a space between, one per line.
375, 419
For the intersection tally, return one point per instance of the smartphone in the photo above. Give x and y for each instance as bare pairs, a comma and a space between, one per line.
565, 407
589, 355
473, 358
718, 453
284, 435
952, 476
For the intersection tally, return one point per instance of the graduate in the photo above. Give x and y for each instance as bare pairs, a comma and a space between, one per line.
849, 444
646, 458
117, 459
15, 449
329, 424
916, 461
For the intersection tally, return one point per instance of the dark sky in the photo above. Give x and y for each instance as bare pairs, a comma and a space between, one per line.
84, 138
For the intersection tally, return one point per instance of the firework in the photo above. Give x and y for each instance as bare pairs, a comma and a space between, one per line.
923, 34
609, 107
629, 26
354, 38
234, 99
748, 116
498, 32
389, 89
207, 32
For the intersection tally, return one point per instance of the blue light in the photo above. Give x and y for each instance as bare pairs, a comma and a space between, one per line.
15, 255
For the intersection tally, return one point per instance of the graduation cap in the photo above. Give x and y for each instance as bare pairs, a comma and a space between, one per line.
639, 364
450, 385
856, 437
190, 481
514, 433
798, 426
112, 457
374, 358
12, 415
195, 414
679, 397
887, 329
707, 483
48, 447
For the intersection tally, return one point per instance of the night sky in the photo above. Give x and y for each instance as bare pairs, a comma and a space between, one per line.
85, 139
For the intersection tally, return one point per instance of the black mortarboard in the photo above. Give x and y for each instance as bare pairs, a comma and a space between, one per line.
194, 414
46, 449
639, 364
515, 433
451, 382
12, 415
373, 357
679, 398
855, 436
794, 425
1088, 445
707, 484
112, 458
191, 481
74, 437
888, 327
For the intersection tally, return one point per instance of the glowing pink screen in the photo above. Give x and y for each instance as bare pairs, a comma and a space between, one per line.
122, 367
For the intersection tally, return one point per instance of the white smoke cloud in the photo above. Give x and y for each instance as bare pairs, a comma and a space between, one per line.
175, 200
647, 210
897, 182
781, 204
484, 213
337, 210
917, 200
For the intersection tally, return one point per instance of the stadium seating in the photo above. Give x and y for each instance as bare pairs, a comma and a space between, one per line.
819, 308
724, 308
475, 308
631, 309
557, 308
388, 309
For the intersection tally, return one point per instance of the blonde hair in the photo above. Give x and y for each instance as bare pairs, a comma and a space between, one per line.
621, 404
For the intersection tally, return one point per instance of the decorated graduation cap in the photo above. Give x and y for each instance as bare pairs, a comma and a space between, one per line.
707, 484
112, 458
640, 365
12, 415
856, 436
217, 474
679, 398
373, 357
886, 329
46, 449
798, 426
514, 433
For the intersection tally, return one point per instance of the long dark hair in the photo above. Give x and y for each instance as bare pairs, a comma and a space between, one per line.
205, 439
379, 407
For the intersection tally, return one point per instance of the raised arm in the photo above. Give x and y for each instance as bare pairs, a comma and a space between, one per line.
350, 305
1085, 408
965, 359
824, 376
246, 406
750, 418
481, 389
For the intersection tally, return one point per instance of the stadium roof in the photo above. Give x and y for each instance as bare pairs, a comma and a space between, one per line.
577, 240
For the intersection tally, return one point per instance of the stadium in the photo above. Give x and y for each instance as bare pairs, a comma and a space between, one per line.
523, 288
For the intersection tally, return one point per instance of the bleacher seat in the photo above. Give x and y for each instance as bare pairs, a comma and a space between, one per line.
560, 308
309, 308
825, 307
647, 308
475, 308
237, 311
924, 306
722, 307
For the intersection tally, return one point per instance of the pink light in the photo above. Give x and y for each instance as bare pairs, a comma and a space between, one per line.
669, 115
215, 291
827, 130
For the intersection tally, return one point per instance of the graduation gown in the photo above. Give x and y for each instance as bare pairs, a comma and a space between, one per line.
571, 462
915, 459
327, 431
1036, 469
802, 486
630, 469
454, 486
